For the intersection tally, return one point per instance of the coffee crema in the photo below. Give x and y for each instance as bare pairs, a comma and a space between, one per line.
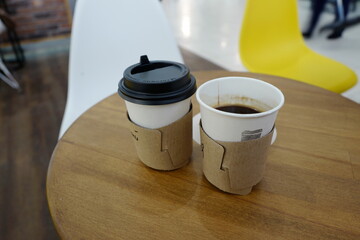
240, 109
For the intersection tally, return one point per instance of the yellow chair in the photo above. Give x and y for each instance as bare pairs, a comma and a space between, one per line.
271, 43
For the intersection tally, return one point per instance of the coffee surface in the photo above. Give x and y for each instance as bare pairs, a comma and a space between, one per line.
241, 109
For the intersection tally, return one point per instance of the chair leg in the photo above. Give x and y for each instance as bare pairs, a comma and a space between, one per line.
7, 77
17, 49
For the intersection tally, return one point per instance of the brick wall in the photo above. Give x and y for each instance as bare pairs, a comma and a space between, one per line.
37, 19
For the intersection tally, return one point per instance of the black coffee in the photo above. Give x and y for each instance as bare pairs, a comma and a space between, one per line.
237, 109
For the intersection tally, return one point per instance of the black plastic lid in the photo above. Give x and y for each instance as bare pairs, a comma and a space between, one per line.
156, 82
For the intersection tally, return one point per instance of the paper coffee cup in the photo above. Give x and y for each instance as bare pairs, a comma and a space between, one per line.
242, 91
156, 93
157, 116
157, 96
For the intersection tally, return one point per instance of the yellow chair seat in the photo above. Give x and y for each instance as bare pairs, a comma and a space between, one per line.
271, 43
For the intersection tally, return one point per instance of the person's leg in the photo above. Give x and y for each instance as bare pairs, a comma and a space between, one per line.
317, 8
338, 31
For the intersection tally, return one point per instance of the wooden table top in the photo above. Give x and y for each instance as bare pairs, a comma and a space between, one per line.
98, 189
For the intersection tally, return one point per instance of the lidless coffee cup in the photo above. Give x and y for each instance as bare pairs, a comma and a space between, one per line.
237, 127
238, 91
157, 96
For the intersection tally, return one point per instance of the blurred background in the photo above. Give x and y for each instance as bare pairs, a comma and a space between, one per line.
34, 46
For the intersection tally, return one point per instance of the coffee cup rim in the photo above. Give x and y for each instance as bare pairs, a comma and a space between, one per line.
240, 115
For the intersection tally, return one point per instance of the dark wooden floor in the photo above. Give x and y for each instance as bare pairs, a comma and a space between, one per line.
29, 126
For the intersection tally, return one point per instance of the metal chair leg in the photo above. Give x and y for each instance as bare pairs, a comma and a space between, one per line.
7, 77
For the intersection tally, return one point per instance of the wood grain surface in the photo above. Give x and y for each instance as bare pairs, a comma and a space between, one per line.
98, 189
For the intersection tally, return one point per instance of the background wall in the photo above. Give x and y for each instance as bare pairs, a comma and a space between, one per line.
38, 19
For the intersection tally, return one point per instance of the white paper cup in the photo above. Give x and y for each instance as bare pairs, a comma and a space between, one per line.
156, 93
234, 127
157, 116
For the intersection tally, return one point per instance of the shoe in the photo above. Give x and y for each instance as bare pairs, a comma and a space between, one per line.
335, 35
306, 34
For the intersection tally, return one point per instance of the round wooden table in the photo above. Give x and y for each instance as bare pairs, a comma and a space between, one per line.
98, 189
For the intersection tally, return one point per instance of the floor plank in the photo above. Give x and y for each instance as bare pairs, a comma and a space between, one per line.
29, 127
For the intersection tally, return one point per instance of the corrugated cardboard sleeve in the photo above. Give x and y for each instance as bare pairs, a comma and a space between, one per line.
165, 148
234, 167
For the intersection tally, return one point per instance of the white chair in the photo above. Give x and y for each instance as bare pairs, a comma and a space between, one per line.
107, 37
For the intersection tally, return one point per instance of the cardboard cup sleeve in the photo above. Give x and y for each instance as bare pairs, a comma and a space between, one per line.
234, 167
166, 148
